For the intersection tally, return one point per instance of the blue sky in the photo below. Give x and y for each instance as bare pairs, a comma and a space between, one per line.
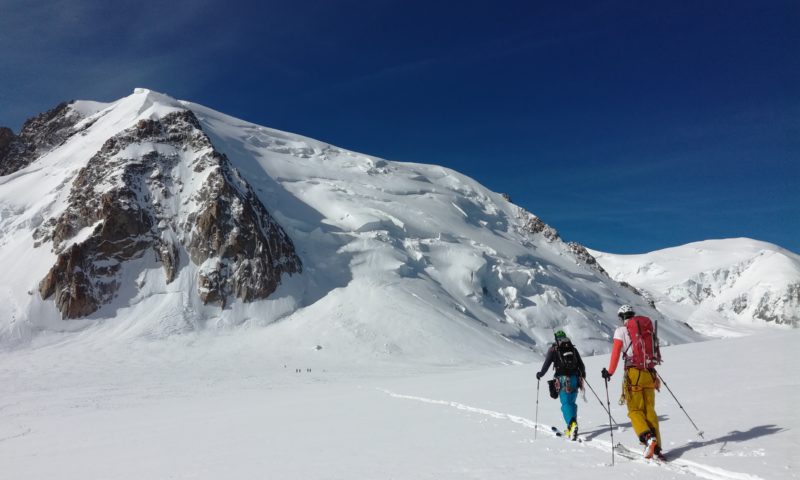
628, 126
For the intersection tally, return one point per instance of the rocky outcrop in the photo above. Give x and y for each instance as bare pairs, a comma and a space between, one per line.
242, 251
780, 307
533, 225
38, 135
645, 295
181, 195
6, 138
585, 257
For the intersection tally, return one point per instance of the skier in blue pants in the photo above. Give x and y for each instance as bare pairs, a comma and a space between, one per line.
569, 398
569, 375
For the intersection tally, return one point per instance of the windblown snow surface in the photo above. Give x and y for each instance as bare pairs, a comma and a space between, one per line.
210, 406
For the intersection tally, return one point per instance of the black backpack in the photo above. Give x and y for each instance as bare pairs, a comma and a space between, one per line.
567, 356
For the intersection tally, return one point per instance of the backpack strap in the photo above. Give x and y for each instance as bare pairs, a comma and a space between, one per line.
558, 353
630, 340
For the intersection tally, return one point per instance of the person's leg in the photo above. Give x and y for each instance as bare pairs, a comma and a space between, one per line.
649, 384
569, 404
652, 416
635, 400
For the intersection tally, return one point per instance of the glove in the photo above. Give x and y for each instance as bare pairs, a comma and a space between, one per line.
605, 374
539, 375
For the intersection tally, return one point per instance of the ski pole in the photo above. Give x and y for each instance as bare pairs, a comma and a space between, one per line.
536, 421
601, 403
699, 432
609, 423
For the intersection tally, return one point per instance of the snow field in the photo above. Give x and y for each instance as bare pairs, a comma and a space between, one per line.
224, 406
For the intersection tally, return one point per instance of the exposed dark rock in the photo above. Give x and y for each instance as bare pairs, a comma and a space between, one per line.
71, 284
6, 137
38, 135
773, 308
168, 254
739, 304
129, 205
641, 293
584, 256
236, 228
533, 225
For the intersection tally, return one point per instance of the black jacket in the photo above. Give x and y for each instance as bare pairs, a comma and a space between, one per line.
552, 357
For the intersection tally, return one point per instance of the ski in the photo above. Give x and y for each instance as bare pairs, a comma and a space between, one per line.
559, 433
631, 454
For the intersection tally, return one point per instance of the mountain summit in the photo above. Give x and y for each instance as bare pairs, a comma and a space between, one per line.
150, 215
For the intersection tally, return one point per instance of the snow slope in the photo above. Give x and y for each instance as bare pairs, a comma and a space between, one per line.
209, 406
720, 287
401, 262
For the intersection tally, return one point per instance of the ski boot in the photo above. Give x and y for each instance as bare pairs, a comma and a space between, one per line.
572, 430
650, 446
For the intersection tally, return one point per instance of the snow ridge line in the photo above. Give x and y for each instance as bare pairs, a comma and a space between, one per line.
699, 470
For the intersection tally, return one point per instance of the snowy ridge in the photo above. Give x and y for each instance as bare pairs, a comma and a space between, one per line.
720, 287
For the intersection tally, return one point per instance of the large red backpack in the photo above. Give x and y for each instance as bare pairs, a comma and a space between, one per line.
644, 352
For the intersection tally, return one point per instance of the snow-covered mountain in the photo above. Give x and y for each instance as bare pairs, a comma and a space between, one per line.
150, 216
720, 287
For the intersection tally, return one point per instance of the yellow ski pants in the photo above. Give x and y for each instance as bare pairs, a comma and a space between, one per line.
639, 389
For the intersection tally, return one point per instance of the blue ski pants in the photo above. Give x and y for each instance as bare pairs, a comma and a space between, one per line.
569, 404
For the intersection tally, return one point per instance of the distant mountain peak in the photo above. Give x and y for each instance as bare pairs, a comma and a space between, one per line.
719, 286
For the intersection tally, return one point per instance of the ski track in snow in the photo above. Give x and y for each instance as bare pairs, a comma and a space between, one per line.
680, 466
18, 435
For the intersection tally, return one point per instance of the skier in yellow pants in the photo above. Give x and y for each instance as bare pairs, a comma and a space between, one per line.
639, 390
641, 381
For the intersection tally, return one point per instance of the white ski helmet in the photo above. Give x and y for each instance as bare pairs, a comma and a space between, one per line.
625, 311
